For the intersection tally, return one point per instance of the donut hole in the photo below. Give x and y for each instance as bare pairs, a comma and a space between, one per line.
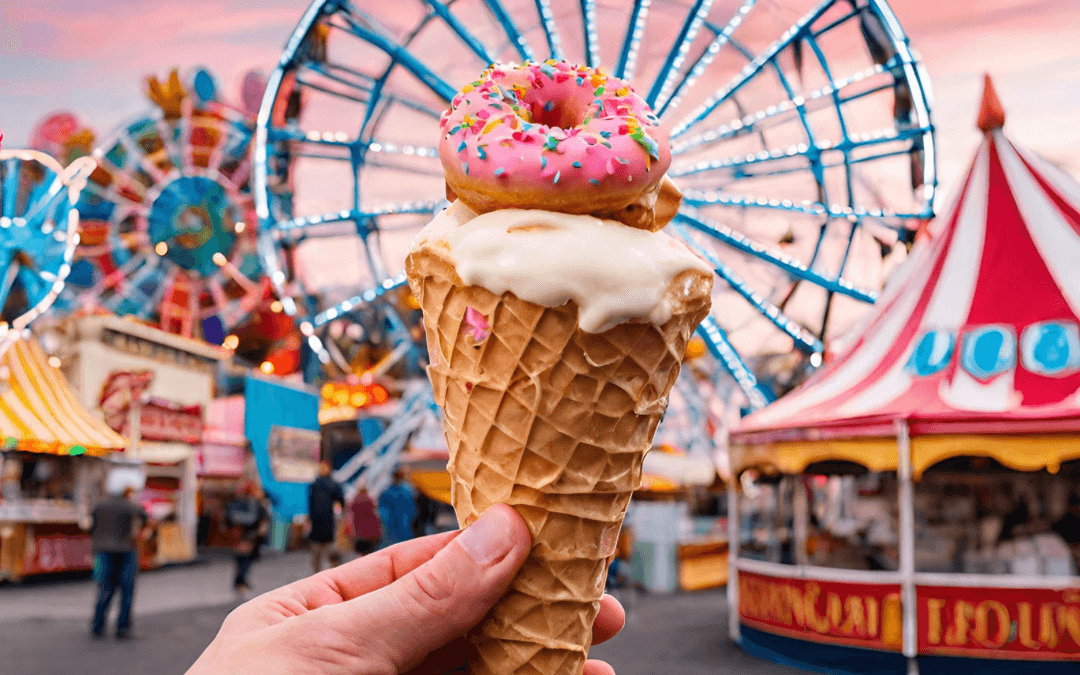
562, 114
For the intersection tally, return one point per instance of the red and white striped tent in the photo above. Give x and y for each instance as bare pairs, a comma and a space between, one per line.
975, 343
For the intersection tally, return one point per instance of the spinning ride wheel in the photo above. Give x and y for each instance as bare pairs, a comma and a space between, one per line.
168, 219
801, 139
39, 228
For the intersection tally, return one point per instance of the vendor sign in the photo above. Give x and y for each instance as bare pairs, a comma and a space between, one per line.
859, 615
998, 623
57, 553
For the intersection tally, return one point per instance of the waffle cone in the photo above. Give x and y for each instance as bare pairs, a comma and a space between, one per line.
555, 422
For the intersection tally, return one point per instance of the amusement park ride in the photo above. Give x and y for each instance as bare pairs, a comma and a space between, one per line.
801, 139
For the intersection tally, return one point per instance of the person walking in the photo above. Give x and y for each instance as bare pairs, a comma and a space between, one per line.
117, 524
397, 507
364, 523
247, 512
323, 494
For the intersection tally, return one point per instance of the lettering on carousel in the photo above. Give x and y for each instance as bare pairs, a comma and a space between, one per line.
1048, 348
861, 615
1000, 622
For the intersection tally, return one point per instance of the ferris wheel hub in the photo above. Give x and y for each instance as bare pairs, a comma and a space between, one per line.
195, 220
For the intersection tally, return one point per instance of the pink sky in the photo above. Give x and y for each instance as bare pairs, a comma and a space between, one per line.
90, 58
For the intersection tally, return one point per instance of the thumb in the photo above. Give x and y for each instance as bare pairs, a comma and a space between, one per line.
446, 596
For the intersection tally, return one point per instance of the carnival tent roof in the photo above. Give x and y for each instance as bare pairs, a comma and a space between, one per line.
39, 412
976, 335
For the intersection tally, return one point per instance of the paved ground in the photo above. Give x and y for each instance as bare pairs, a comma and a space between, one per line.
43, 627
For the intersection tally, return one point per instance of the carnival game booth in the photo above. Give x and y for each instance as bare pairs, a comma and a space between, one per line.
52, 470
914, 506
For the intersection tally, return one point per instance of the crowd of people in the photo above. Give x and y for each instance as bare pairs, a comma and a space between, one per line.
334, 525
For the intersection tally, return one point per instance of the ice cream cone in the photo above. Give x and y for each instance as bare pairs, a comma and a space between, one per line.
555, 422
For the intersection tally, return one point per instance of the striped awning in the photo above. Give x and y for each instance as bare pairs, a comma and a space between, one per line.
39, 412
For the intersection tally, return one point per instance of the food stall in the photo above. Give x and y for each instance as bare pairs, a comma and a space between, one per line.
154, 387
52, 470
913, 507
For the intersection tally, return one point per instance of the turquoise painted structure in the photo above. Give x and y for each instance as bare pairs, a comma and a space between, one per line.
269, 402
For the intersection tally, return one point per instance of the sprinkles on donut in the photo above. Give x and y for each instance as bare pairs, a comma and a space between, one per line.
559, 137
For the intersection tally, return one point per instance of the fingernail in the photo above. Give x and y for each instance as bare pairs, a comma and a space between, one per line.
488, 538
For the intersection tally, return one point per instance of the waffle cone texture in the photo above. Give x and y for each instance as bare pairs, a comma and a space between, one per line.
555, 422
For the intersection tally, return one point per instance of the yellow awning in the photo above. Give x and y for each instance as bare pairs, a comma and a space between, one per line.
39, 412
1019, 452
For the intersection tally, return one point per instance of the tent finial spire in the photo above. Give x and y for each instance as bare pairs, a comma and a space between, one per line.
991, 114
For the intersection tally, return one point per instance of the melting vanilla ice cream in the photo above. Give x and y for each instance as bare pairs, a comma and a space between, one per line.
613, 272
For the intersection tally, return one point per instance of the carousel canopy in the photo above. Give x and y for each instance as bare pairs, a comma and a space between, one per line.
976, 338
39, 413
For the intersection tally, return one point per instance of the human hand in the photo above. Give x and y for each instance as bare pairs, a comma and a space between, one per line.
403, 610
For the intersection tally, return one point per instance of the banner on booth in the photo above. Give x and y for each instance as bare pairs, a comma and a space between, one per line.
1019, 623
859, 615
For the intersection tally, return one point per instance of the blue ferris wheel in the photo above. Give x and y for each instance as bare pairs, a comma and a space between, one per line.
39, 230
801, 139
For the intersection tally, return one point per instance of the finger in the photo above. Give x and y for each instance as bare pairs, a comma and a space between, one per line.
609, 620
441, 599
595, 667
343, 583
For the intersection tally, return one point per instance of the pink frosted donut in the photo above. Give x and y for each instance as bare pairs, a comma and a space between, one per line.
558, 137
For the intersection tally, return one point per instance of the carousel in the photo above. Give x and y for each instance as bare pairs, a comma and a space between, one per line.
913, 507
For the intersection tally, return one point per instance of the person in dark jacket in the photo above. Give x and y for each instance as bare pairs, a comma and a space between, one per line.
118, 520
247, 513
323, 495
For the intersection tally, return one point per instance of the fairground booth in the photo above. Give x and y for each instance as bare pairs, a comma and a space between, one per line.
914, 506
52, 469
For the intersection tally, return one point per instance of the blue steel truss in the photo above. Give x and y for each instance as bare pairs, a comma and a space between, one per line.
759, 130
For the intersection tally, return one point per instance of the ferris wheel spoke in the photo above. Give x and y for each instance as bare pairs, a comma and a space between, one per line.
782, 111
400, 55
504, 19
168, 138
696, 198
769, 159
804, 340
233, 272
742, 243
358, 302
154, 300
588, 30
631, 47
217, 295
10, 274
721, 38
750, 71
551, 31
10, 187
304, 224
695, 17
46, 199
455, 24
721, 348
335, 84
142, 160
130, 297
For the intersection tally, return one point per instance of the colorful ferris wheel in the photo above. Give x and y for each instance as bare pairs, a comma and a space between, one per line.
169, 234
801, 137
